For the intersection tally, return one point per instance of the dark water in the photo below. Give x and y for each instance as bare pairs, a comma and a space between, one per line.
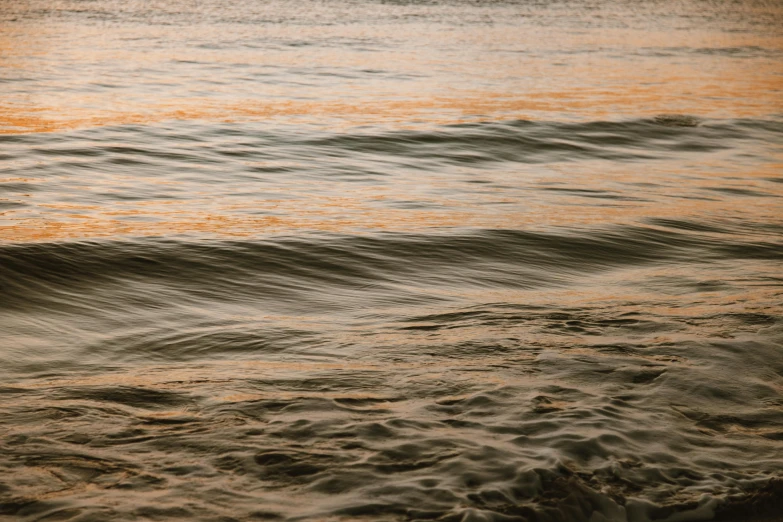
356, 260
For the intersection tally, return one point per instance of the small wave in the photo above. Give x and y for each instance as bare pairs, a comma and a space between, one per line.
518, 141
677, 120
539, 142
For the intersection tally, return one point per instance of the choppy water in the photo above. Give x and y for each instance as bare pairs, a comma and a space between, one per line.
366, 260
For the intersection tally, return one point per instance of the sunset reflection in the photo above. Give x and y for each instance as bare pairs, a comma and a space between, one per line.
505, 73
508, 200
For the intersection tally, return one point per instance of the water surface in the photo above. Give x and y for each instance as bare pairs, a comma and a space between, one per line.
374, 260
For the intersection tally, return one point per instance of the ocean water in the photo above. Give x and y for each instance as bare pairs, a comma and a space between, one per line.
367, 260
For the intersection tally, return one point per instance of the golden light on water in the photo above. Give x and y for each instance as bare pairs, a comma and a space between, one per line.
87, 77
520, 202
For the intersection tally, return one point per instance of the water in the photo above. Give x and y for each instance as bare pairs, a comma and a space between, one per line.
370, 260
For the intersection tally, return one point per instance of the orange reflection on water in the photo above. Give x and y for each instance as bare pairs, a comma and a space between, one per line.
63, 75
757, 99
365, 212
596, 193
67, 75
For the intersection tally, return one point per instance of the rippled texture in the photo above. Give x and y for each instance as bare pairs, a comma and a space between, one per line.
355, 260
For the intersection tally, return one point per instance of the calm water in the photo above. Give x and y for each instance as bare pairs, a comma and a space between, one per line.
358, 260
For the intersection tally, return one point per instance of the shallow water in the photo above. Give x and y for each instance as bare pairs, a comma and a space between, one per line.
358, 260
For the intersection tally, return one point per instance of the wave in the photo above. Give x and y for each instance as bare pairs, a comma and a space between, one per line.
517, 141
288, 268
